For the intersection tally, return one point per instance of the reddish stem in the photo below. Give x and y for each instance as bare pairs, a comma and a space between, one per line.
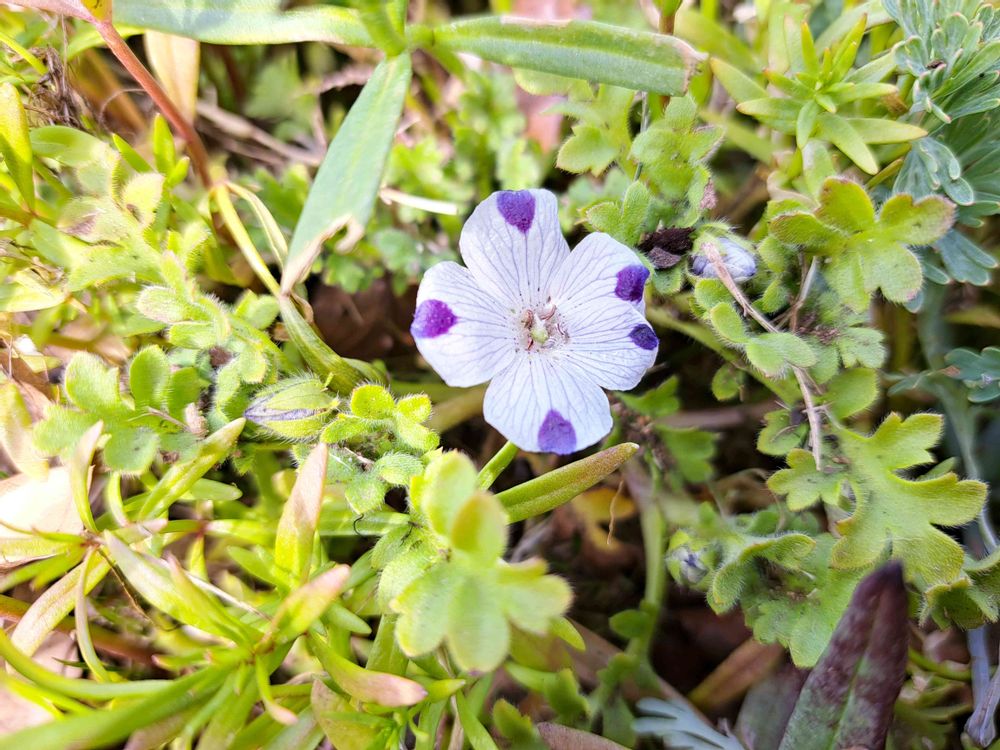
120, 49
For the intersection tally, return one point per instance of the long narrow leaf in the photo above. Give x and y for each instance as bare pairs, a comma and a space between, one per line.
244, 21
343, 194
588, 50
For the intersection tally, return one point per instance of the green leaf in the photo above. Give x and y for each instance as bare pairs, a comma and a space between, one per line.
636, 60
739, 85
844, 204
245, 21
293, 541
425, 609
878, 130
851, 391
480, 529
444, 487
477, 735
306, 604
15, 144
803, 613
343, 725
900, 515
57, 601
839, 131
866, 253
921, 222
531, 599
773, 353
343, 194
131, 450
587, 150
23, 291
804, 485
168, 588
970, 600
179, 478
372, 401
92, 386
980, 371
61, 429
551, 490
116, 723
367, 685
478, 634
728, 323
162, 304
148, 376
376, 18
738, 565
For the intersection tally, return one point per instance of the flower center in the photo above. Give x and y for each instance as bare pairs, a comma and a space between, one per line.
542, 328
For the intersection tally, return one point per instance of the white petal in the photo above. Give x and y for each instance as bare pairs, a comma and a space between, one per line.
612, 342
513, 245
545, 402
463, 332
599, 268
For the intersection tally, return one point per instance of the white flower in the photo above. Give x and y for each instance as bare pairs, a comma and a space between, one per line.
547, 327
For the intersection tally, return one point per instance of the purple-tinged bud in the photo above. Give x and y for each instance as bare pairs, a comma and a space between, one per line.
295, 408
739, 261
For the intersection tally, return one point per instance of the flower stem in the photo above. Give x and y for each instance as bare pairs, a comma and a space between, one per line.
496, 465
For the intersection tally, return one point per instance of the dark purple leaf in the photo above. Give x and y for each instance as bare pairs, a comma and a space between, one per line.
767, 708
848, 699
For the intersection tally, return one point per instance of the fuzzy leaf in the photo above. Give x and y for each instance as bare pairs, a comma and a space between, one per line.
587, 150
865, 253
803, 485
892, 512
774, 353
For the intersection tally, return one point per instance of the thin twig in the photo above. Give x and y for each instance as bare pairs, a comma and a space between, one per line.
793, 311
812, 413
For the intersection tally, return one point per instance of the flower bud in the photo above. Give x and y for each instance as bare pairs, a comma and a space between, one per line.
739, 261
688, 560
295, 408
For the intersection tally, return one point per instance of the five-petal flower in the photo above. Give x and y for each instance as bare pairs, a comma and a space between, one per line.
549, 328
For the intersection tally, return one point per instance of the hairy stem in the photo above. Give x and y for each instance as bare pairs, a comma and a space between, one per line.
812, 413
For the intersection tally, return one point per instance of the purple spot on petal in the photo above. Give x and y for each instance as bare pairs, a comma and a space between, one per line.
517, 208
432, 318
643, 337
556, 434
631, 281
